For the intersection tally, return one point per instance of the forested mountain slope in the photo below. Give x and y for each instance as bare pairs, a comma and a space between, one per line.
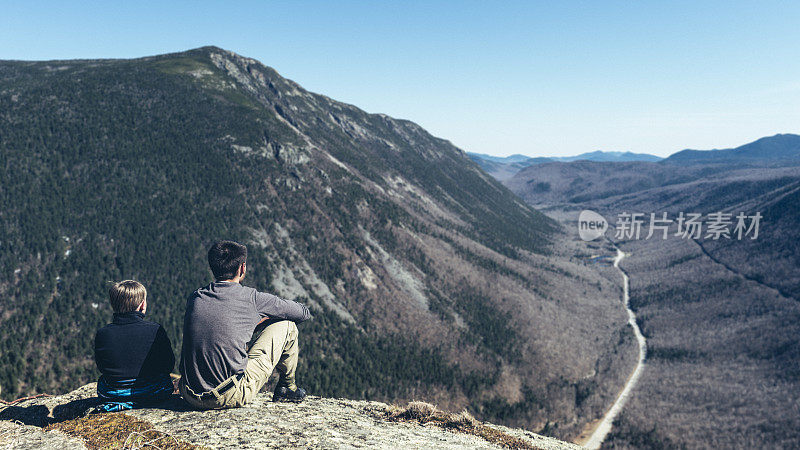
427, 278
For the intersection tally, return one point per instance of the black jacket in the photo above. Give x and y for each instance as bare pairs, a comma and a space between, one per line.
132, 348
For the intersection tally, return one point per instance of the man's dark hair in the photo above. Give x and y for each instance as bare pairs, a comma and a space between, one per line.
225, 257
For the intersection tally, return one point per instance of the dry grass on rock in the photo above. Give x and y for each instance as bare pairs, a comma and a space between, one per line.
116, 430
426, 413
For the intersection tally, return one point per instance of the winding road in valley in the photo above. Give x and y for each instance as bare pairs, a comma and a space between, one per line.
604, 427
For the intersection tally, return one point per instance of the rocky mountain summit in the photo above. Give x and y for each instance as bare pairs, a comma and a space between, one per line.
60, 422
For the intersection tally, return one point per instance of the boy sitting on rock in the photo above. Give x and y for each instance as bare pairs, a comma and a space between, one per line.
133, 355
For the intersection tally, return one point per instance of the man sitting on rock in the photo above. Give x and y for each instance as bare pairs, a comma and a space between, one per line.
234, 336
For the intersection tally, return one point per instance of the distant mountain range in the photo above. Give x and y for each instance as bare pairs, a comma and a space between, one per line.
590, 156
583, 181
780, 149
504, 167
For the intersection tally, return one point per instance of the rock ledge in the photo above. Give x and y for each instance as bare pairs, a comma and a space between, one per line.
315, 423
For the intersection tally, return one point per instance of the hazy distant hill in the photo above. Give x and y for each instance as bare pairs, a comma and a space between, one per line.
501, 159
583, 181
504, 168
764, 150
427, 278
609, 156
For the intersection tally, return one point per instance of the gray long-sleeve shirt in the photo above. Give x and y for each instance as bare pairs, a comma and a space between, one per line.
219, 322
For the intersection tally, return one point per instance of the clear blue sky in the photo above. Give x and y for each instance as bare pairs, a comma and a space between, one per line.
537, 78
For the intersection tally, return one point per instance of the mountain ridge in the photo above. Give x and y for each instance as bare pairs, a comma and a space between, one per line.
776, 147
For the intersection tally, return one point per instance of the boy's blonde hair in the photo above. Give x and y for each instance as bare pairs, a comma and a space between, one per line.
126, 296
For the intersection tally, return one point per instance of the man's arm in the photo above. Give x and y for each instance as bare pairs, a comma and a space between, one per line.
278, 308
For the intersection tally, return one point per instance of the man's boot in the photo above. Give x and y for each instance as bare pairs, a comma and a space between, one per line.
284, 394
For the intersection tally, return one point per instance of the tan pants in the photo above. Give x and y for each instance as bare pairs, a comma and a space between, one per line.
273, 347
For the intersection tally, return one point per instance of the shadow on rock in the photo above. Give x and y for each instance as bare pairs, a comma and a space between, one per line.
174, 403
74, 409
36, 415
40, 415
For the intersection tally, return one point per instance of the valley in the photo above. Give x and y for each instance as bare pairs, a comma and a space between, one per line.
721, 317
603, 427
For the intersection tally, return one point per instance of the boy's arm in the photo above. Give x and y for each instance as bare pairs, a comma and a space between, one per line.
275, 307
163, 347
96, 359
